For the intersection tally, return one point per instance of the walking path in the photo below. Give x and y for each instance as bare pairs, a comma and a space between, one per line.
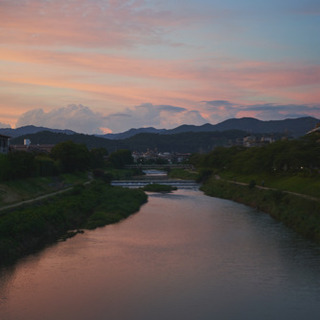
267, 188
45, 196
18, 204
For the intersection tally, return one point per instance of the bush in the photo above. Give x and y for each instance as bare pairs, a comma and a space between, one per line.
27, 229
204, 175
252, 184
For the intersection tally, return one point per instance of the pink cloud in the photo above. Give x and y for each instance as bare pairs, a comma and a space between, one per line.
82, 23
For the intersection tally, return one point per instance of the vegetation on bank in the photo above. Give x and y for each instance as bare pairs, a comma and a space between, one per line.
30, 228
299, 183
299, 213
281, 166
14, 191
28, 174
287, 165
183, 174
155, 187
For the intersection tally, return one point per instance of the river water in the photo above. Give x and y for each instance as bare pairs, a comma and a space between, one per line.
183, 256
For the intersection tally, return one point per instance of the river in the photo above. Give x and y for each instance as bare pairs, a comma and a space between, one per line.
182, 256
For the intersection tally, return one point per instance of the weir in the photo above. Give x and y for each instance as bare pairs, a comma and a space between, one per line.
180, 184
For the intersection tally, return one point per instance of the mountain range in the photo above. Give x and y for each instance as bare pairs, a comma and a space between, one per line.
291, 127
183, 139
21, 131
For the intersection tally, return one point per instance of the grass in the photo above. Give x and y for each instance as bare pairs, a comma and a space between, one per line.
300, 214
19, 190
121, 174
183, 174
307, 185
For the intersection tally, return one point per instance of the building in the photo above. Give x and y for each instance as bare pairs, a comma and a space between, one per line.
39, 148
4, 144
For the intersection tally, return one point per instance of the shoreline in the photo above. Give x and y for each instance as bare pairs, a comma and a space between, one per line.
300, 213
30, 228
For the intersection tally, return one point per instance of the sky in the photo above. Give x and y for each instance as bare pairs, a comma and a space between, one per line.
102, 66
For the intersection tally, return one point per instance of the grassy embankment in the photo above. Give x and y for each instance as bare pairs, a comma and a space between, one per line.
30, 228
19, 190
299, 213
122, 174
304, 184
183, 174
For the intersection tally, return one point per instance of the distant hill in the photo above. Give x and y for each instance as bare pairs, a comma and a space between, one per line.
50, 137
29, 130
131, 133
291, 127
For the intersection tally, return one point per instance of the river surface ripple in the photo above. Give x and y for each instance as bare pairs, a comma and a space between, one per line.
183, 256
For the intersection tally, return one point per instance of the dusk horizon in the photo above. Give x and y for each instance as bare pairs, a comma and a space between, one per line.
107, 66
155, 127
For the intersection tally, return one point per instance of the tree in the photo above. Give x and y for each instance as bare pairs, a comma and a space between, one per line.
97, 156
120, 158
4, 167
71, 157
22, 165
45, 166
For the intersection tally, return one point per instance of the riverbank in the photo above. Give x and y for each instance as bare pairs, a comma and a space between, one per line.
16, 191
299, 213
29, 228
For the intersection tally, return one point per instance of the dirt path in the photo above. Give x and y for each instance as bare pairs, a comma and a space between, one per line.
45, 196
266, 188
18, 204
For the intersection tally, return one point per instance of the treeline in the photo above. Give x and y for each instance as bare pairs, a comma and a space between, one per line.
290, 156
65, 157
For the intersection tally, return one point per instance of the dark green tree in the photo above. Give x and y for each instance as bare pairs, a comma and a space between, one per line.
45, 166
97, 157
4, 167
21, 165
71, 156
120, 158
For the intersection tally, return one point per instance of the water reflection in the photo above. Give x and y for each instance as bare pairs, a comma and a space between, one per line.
183, 256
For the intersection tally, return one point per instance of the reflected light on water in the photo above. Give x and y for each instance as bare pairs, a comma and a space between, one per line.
183, 256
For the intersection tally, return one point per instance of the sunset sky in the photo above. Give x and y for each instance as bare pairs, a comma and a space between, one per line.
98, 66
